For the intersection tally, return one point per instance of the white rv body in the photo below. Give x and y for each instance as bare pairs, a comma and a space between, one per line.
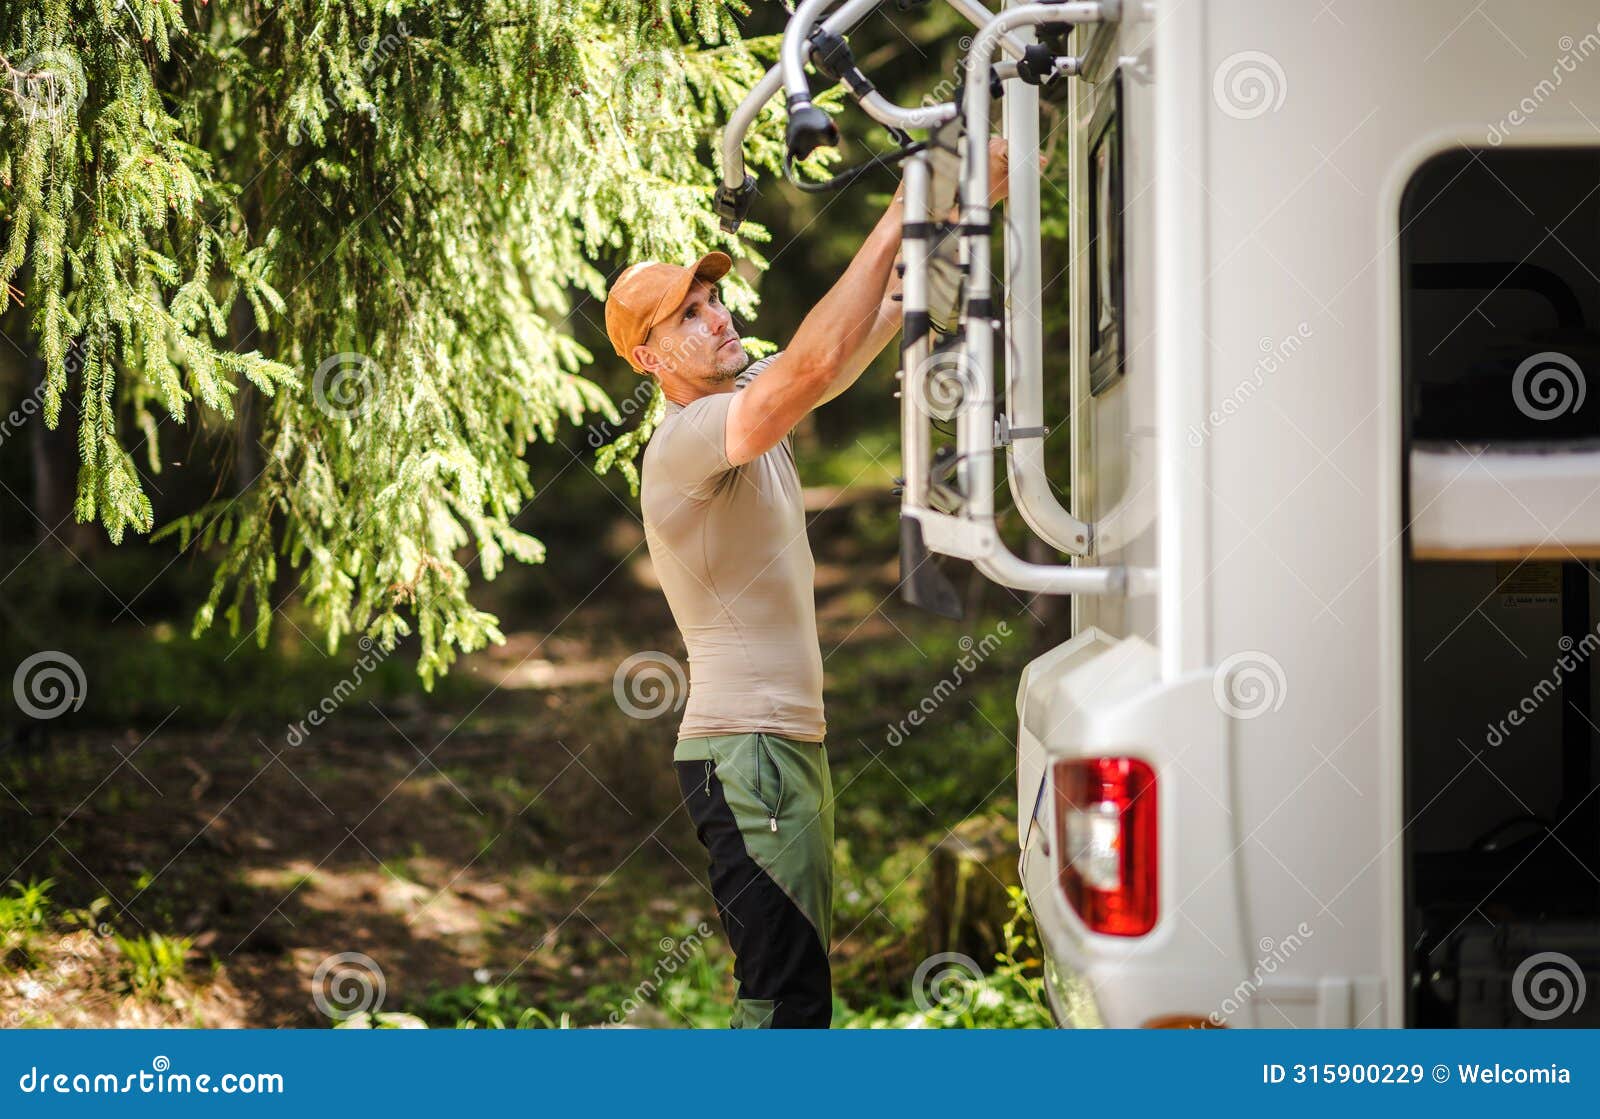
1250, 458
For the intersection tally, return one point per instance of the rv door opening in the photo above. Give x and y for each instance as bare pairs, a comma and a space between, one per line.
1501, 628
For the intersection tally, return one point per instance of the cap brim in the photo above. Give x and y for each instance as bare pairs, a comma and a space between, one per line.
713, 266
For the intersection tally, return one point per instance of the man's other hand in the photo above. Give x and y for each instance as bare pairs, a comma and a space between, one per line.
999, 169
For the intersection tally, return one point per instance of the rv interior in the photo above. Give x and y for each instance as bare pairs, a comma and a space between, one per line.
1500, 305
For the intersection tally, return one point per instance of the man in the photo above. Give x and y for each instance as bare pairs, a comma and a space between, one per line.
726, 530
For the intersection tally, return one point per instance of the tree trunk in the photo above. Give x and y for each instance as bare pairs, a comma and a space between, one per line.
967, 902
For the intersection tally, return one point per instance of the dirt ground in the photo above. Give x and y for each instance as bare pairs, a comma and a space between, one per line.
530, 836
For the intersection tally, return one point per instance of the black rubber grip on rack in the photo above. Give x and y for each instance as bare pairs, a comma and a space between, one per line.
809, 128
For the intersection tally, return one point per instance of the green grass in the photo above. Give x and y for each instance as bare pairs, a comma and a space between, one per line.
153, 961
32, 930
1008, 995
472, 1006
24, 914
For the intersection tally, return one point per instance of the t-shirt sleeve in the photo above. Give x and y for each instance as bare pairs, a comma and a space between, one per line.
694, 454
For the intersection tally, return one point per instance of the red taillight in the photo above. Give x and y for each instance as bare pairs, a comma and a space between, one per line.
1106, 842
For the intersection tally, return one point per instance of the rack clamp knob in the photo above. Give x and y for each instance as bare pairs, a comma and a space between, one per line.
1037, 63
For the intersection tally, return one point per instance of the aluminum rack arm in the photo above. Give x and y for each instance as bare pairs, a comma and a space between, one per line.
1035, 499
975, 423
981, 544
978, 14
811, 127
736, 184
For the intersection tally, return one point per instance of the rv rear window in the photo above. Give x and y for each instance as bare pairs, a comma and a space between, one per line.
1105, 238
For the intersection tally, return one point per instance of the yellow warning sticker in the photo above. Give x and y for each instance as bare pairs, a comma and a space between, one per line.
1528, 584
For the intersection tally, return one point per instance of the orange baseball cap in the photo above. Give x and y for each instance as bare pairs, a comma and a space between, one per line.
647, 293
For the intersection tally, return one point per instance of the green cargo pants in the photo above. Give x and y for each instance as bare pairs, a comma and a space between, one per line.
762, 806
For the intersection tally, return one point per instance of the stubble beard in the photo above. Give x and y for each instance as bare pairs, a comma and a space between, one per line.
730, 367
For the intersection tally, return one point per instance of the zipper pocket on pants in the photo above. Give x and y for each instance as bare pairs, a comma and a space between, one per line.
761, 749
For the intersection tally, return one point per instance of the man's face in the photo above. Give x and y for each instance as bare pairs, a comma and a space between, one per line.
698, 344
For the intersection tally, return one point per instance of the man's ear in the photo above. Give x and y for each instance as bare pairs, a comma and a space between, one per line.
645, 359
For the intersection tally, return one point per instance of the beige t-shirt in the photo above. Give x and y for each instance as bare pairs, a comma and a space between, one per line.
730, 549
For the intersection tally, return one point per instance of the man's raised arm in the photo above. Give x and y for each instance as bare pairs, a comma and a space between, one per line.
824, 349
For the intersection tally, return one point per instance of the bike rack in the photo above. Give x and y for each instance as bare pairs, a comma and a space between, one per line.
955, 519
973, 535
